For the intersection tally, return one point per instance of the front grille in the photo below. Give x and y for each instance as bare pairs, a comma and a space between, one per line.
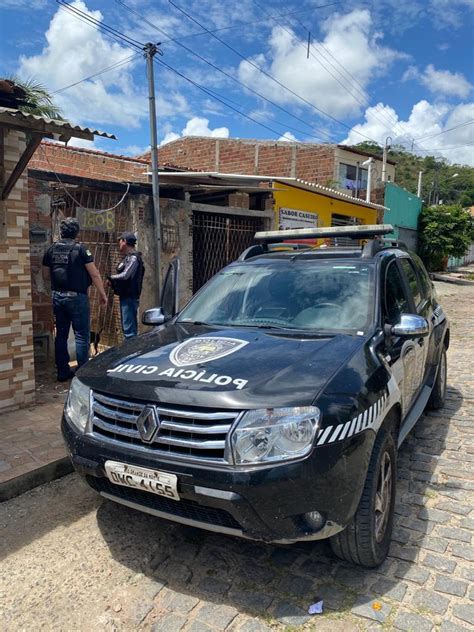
185, 433
183, 508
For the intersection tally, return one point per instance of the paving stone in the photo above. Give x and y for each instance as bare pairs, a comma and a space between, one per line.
450, 586
170, 622
219, 616
412, 573
467, 523
464, 612
439, 563
199, 626
177, 602
253, 625
430, 600
214, 586
412, 622
289, 614
455, 534
252, 600
295, 585
371, 609
391, 589
407, 553
435, 515
449, 626
432, 544
467, 553
453, 507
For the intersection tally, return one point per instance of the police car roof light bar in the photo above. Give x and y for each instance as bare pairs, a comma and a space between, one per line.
354, 232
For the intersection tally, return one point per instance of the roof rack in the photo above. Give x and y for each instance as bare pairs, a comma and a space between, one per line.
352, 232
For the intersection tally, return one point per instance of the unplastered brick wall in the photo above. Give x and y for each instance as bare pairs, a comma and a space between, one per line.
311, 162
87, 163
17, 381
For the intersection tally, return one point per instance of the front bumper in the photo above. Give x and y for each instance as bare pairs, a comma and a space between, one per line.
260, 503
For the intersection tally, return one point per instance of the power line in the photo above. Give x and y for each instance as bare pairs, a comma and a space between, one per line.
271, 77
101, 25
99, 72
228, 75
470, 122
213, 95
240, 24
447, 148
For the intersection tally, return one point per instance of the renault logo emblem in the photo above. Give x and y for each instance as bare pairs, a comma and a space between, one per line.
148, 423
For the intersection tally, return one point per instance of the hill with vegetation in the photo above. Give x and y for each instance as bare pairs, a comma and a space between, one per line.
442, 182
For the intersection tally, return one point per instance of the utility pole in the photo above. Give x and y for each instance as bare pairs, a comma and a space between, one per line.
368, 163
150, 51
384, 158
418, 191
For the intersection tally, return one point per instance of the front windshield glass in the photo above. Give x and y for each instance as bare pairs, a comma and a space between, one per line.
301, 295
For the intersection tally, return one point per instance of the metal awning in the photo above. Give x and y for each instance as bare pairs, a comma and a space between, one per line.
38, 127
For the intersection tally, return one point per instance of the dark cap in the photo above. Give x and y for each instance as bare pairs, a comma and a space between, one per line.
129, 238
69, 227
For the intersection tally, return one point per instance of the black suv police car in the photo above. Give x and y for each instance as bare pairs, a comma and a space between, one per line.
271, 407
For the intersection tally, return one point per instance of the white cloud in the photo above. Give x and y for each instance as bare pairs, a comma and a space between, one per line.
425, 122
348, 38
75, 50
440, 82
288, 136
197, 126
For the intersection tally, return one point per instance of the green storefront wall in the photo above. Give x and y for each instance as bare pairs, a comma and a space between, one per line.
404, 210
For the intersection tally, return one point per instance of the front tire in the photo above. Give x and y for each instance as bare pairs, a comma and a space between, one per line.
438, 394
366, 539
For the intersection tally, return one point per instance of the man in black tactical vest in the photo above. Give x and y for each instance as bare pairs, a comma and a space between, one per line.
71, 269
127, 283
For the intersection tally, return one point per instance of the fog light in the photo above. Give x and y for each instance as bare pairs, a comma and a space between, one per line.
315, 520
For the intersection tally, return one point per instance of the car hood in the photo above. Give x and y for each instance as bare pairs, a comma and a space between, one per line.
235, 367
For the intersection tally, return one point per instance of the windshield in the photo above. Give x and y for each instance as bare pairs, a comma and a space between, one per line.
301, 295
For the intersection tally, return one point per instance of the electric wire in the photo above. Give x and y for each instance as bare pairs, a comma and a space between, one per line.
101, 25
271, 77
98, 73
231, 77
469, 122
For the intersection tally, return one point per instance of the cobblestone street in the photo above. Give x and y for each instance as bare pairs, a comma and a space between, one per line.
74, 562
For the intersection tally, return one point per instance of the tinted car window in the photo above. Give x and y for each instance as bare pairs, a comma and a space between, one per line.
296, 294
425, 283
396, 302
410, 273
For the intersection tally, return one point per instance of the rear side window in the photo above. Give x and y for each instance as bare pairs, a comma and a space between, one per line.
425, 283
410, 274
396, 302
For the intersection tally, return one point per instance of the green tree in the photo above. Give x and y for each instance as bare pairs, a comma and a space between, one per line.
35, 99
445, 231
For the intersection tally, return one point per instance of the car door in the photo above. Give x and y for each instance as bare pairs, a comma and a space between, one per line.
423, 308
404, 356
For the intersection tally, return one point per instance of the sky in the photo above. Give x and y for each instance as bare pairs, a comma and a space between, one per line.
306, 70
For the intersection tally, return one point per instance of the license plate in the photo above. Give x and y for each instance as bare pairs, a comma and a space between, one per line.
142, 478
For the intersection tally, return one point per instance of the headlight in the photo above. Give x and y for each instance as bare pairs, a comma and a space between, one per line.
274, 434
78, 404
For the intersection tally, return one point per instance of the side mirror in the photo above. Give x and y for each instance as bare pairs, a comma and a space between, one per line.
411, 326
153, 316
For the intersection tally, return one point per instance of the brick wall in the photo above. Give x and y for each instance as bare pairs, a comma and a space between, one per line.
17, 381
88, 164
314, 163
39, 205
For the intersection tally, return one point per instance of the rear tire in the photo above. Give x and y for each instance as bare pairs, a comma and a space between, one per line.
438, 394
366, 539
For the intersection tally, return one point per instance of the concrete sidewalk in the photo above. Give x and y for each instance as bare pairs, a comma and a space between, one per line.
32, 451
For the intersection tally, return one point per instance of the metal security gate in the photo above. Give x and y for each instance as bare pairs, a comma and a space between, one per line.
103, 244
218, 240
344, 220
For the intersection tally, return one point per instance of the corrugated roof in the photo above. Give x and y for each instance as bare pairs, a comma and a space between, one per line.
43, 123
212, 176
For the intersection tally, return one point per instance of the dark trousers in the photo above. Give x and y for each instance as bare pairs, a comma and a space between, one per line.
128, 314
71, 310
